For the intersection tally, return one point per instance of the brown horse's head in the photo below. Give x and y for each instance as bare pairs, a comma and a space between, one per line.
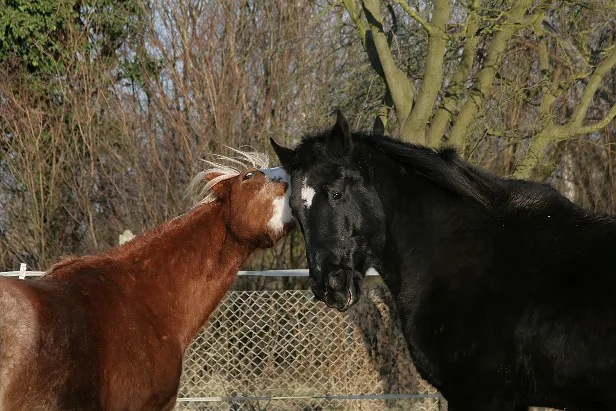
255, 199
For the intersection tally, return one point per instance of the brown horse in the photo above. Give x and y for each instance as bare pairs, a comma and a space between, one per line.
108, 331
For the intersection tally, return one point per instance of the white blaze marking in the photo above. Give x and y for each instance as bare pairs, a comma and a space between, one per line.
371, 271
307, 193
282, 211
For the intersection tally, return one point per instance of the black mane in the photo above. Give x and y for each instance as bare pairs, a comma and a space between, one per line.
441, 166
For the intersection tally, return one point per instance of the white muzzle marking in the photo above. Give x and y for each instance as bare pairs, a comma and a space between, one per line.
282, 211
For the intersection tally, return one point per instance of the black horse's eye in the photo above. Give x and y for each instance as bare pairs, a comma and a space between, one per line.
249, 175
337, 195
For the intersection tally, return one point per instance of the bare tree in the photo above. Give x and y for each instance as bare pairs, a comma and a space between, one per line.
570, 48
108, 145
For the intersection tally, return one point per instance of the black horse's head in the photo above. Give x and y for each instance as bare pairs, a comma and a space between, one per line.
339, 211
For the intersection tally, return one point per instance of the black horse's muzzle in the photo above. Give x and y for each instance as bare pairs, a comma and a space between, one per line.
339, 289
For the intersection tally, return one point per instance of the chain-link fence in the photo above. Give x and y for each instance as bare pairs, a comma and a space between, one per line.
281, 350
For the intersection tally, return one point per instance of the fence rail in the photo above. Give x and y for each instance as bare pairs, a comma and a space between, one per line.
281, 350
265, 273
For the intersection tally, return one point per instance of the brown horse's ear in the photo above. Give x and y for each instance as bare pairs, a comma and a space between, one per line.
210, 176
285, 155
340, 135
219, 188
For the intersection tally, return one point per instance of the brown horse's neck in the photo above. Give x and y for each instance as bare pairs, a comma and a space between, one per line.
189, 266
179, 271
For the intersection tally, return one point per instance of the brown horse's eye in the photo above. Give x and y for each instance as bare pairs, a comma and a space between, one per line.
337, 195
249, 175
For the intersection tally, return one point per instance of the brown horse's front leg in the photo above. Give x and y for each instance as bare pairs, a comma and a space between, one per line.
171, 404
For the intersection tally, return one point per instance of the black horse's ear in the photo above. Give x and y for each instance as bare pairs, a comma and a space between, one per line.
379, 128
340, 134
285, 155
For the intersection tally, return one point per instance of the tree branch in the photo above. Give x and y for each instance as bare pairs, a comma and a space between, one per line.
355, 13
413, 14
536, 149
554, 133
534, 152
591, 128
414, 127
382, 116
545, 109
485, 78
593, 84
456, 89
376, 44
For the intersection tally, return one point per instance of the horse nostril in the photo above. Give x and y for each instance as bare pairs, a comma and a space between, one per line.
317, 290
336, 280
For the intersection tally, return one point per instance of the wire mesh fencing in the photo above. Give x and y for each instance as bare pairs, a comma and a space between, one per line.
281, 350
313, 405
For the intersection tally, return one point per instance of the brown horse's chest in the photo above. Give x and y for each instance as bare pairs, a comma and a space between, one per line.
140, 363
145, 381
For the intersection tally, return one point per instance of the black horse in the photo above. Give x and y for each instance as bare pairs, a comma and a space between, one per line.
505, 289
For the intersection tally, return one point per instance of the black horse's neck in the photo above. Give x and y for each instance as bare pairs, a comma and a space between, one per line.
427, 223
451, 223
